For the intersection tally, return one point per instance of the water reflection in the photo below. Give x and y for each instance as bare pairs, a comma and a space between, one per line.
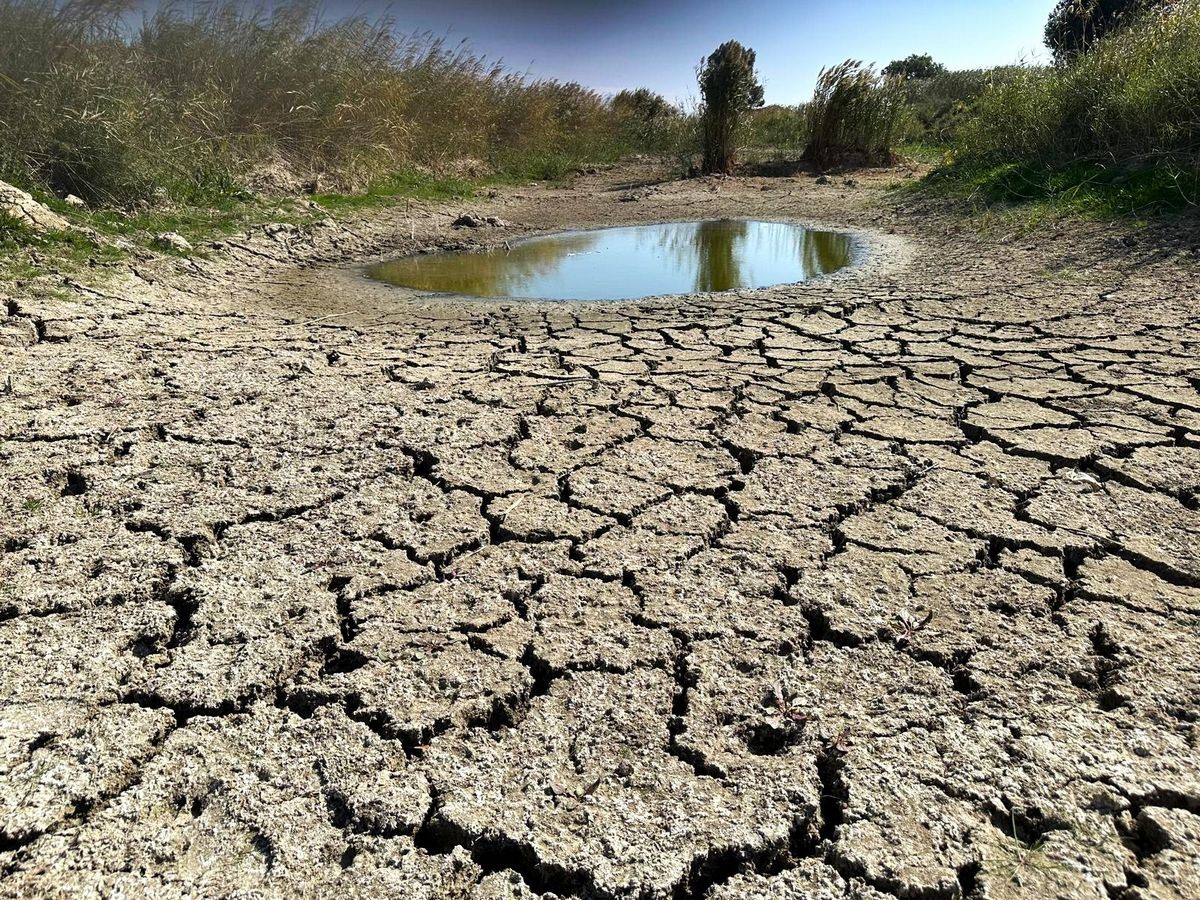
716, 245
625, 263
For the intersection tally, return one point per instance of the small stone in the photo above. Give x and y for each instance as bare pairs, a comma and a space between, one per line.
16, 204
170, 240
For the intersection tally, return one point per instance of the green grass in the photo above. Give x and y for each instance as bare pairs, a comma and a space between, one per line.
924, 152
70, 249
1113, 134
1036, 191
25, 253
411, 185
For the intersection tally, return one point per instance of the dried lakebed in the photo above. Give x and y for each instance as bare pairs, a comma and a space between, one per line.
883, 585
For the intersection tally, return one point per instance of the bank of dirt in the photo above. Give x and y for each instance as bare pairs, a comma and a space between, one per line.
887, 584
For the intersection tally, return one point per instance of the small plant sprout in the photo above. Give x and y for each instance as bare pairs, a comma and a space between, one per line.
907, 625
785, 706
842, 743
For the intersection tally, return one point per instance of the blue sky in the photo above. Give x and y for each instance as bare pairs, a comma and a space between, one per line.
622, 43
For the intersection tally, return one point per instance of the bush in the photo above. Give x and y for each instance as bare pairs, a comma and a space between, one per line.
185, 106
777, 133
854, 113
646, 119
1135, 96
730, 90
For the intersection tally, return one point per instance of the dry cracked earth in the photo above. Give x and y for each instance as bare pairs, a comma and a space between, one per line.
886, 585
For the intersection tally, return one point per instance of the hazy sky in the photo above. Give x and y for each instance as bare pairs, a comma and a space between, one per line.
623, 43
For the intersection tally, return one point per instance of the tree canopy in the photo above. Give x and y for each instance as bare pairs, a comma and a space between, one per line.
1075, 25
918, 65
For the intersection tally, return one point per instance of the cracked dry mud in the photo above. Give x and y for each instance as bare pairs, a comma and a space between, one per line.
887, 585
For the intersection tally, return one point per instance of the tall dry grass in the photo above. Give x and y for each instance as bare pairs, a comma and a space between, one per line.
187, 104
856, 114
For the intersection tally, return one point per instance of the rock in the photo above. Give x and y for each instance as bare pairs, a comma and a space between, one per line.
281, 231
824, 179
170, 240
18, 205
468, 220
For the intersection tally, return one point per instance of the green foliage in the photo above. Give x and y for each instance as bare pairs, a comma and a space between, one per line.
940, 105
855, 113
1084, 189
1135, 96
776, 133
205, 101
1115, 131
646, 119
915, 66
1075, 26
730, 89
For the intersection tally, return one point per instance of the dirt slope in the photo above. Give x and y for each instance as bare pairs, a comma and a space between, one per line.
884, 585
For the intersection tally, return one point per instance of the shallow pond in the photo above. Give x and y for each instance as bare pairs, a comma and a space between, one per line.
626, 263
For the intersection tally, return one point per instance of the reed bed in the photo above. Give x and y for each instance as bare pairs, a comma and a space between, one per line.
855, 113
203, 101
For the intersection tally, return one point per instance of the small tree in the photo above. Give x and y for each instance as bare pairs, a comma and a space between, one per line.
1076, 25
915, 66
730, 89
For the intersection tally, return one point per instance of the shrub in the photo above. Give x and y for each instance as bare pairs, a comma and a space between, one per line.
854, 112
938, 106
1135, 96
645, 119
777, 133
730, 90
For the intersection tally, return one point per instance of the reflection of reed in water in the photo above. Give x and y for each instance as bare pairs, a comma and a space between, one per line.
717, 246
823, 251
712, 249
493, 273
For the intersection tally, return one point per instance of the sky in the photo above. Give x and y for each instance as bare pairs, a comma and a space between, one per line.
642, 43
